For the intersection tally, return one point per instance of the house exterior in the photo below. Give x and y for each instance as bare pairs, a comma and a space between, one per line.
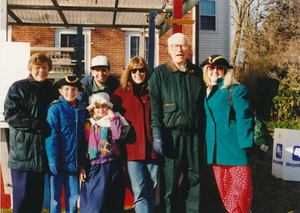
210, 34
214, 28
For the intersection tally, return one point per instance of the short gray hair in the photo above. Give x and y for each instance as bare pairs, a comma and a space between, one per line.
176, 35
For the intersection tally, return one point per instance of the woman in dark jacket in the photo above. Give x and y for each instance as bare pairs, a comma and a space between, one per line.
229, 135
25, 112
132, 100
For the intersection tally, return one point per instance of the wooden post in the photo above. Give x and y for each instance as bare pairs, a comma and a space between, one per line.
142, 45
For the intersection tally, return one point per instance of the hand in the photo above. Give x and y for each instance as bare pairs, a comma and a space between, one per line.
82, 175
248, 150
158, 144
54, 170
45, 131
42, 128
111, 113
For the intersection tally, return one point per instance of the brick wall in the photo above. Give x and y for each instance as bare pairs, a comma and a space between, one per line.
111, 43
104, 41
35, 35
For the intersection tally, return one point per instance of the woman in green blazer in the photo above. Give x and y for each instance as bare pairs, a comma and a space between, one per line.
229, 134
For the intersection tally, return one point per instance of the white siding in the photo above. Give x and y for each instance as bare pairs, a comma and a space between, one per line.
217, 42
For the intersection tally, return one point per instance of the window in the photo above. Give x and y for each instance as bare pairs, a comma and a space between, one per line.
68, 38
132, 46
208, 15
135, 47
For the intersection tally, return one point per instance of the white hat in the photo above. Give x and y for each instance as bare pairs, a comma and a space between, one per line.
100, 98
101, 61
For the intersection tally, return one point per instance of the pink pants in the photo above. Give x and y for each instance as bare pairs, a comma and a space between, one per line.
235, 187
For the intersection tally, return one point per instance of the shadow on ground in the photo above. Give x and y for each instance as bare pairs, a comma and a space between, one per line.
270, 194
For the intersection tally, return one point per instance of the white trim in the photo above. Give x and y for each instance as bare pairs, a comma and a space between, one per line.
216, 17
9, 33
229, 32
87, 44
137, 32
3, 21
194, 36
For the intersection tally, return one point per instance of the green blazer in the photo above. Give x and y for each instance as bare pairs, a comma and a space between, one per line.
227, 135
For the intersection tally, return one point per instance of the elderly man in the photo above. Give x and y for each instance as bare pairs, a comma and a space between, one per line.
99, 80
177, 93
25, 110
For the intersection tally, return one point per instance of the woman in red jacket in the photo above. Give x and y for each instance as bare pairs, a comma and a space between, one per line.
131, 99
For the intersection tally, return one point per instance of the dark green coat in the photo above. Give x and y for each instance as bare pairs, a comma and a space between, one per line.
25, 112
177, 99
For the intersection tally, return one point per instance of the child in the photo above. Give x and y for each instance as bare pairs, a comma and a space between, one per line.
66, 118
103, 182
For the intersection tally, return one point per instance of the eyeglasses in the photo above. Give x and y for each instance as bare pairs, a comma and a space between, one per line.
213, 67
182, 46
37, 67
141, 70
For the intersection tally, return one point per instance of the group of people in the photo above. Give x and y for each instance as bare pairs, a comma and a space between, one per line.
100, 128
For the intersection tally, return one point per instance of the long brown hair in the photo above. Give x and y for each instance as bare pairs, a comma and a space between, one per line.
126, 76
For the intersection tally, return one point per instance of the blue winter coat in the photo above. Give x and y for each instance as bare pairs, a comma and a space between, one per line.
227, 137
67, 124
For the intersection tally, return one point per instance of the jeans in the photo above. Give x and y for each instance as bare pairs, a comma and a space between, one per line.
143, 175
70, 181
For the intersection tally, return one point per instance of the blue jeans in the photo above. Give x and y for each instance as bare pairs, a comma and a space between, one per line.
143, 175
70, 181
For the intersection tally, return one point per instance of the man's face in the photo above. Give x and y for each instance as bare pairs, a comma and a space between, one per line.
100, 74
179, 49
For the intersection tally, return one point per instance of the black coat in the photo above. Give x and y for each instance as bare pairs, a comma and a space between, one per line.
25, 110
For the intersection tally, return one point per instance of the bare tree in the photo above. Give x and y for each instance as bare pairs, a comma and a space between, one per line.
277, 43
240, 17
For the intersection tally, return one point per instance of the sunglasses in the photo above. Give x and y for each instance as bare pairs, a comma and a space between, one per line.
141, 70
218, 67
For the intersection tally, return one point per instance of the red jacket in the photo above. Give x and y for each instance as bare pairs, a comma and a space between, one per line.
139, 141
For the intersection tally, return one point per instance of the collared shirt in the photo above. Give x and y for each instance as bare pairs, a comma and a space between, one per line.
174, 68
97, 89
184, 68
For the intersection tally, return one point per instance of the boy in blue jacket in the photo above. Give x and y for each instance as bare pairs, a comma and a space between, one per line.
66, 118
